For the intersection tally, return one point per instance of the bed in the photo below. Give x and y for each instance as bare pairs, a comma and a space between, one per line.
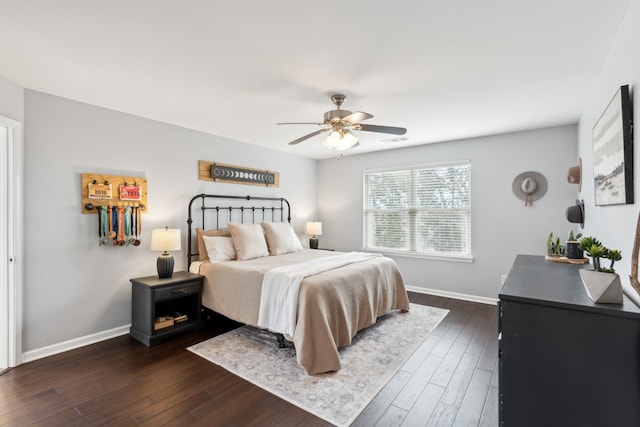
332, 303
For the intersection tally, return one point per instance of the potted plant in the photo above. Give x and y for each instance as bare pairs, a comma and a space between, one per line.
612, 255
602, 283
554, 248
594, 249
573, 246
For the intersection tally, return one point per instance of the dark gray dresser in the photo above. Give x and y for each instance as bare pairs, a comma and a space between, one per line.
565, 360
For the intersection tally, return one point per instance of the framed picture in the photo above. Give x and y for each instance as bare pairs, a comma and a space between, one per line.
613, 152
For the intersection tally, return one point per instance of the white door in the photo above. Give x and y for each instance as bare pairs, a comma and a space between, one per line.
10, 242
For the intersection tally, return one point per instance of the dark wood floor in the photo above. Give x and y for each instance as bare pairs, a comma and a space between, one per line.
450, 381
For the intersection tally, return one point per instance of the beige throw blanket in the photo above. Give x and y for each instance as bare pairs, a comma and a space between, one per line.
332, 306
281, 287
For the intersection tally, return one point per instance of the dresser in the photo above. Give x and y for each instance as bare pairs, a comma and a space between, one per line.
563, 359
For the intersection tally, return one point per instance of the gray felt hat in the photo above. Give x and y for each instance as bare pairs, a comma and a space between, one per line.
529, 186
575, 213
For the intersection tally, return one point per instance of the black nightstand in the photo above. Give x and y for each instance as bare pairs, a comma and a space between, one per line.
152, 298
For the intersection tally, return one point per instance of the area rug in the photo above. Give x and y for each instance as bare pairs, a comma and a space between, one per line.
376, 354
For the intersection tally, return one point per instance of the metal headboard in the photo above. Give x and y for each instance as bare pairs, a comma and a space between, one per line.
273, 209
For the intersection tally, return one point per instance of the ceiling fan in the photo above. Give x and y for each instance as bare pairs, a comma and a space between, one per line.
341, 123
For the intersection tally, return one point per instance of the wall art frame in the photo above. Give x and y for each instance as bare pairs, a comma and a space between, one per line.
613, 152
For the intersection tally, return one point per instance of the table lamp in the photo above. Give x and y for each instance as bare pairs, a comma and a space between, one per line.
165, 240
314, 229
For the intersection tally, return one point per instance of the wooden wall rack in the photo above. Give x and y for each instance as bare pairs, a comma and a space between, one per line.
117, 199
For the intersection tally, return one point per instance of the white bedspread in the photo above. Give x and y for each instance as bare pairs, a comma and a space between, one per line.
281, 286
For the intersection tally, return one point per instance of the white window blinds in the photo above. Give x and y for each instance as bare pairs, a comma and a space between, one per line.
424, 210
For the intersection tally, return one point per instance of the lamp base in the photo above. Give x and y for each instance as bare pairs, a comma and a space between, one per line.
313, 243
165, 265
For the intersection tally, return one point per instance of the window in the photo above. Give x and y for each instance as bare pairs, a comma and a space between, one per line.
423, 210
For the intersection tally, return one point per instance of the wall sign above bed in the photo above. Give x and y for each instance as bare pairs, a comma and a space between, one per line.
219, 172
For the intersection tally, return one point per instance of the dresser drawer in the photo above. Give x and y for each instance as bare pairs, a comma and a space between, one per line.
171, 292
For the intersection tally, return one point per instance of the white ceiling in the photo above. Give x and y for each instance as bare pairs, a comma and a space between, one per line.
443, 69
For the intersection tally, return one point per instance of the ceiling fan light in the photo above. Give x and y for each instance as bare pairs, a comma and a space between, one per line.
340, 140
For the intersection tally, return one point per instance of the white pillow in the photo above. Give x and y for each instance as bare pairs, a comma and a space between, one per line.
296, 241
202, 250
281, 239
248, 239
219, 248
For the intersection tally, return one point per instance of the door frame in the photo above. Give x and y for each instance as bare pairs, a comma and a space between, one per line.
11, 301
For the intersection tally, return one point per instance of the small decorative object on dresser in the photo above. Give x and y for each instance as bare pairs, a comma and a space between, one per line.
570, 253
554, 248
602, 283
164, 307
573, 250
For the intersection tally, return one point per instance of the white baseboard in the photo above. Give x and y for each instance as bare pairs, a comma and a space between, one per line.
50, 350
454, 295
53, 349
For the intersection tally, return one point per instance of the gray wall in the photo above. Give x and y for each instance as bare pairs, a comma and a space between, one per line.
11, 100
72, 287
501, 226
614, 225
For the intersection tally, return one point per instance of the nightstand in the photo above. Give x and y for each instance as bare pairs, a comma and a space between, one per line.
153, 298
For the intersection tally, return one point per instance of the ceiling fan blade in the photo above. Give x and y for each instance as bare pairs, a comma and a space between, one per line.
312, 134
357, 117
382, 129
300, 123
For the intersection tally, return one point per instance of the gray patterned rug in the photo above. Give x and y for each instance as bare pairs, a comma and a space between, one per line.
376, 354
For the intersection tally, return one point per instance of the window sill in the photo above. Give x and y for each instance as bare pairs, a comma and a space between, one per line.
465, 259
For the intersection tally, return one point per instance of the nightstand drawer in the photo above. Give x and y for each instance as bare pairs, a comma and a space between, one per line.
171, 292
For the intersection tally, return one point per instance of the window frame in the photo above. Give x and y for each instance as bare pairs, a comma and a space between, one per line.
414, 253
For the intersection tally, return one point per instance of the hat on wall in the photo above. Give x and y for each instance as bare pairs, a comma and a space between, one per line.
529, 186
574, 175
575, 213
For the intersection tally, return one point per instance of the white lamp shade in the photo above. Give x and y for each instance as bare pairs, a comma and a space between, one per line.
314, 228
165, 239
340, 140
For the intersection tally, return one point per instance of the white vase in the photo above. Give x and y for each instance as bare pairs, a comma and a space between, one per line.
602, 287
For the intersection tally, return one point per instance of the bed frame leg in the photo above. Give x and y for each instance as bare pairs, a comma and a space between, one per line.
281, 341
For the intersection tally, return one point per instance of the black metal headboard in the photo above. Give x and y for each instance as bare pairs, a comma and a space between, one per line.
273, 209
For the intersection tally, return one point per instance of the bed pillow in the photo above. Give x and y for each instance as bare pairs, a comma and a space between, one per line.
296, 240
202, 249
248, 239
281, 239
219, 248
